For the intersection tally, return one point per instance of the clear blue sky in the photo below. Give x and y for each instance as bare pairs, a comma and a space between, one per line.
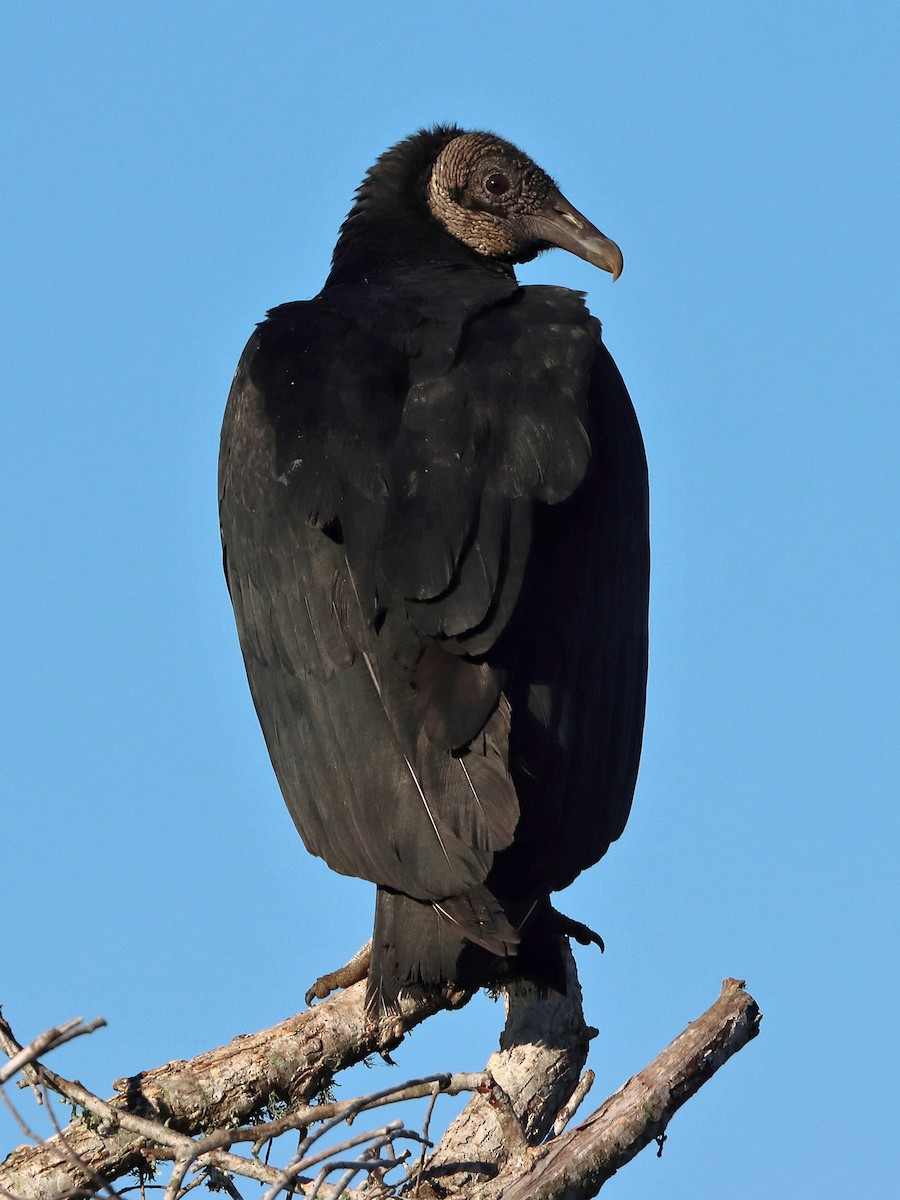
173, 170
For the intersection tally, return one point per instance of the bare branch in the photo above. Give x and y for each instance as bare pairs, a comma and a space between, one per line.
37, 1081
568, 1111
23, 1056
376, 1139
543, 1050
288, 1064
494, 1149
110, 1116
577, 1164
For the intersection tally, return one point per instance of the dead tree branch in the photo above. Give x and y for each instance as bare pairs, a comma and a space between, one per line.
542, 1054
21, 1057
496, 1149
577, 1164
234, 1084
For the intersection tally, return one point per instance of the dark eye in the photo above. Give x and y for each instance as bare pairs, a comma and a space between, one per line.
496, 183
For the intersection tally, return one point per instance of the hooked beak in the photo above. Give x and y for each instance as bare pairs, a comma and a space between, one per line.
561, 225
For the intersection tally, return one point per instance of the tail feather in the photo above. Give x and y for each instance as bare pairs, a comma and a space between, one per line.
420, 947
470, 941
480, 918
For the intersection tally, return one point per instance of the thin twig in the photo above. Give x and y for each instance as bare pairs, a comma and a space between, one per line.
343, 1183
377, 1138
426, 1127
23, 1056
19, 1120
346, 1110
569, 1109
352, 1168
219, 1180
180, 1168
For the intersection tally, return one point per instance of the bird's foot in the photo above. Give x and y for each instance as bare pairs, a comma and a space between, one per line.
351, 972
583, 934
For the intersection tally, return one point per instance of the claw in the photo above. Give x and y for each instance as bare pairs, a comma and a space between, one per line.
351, 972
583, 934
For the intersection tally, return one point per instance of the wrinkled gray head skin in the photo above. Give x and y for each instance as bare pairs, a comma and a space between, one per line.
492, 197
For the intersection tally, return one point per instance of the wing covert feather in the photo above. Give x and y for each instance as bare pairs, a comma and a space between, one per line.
378, 531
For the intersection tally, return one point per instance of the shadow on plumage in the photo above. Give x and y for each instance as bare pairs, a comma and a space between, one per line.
434, 516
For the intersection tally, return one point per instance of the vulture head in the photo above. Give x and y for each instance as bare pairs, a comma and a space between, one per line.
493, 198
445, 187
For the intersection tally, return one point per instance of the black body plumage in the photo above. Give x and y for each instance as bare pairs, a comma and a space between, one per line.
434, 516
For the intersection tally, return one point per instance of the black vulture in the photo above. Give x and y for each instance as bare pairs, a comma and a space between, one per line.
434, 513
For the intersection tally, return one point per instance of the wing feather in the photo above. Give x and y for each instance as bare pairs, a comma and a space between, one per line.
389, 533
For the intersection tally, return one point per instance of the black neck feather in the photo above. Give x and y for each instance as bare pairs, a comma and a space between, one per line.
390, 230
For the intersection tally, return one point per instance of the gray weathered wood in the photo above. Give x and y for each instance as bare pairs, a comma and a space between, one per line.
291, 1062
577, 1164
